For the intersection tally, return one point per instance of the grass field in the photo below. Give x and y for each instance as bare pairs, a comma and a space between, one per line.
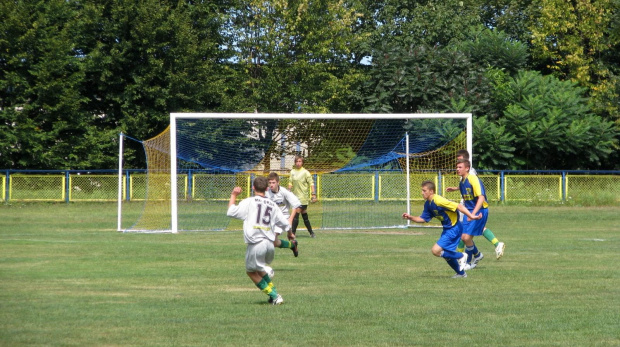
67, 278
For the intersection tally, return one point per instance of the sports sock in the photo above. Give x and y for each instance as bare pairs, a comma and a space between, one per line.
470, 253
488, 234
295, 223
267, 287
454, 264
461, 246
307, 222
285, 244
451, 254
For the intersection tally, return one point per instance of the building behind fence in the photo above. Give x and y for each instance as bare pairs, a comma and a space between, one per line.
501, 186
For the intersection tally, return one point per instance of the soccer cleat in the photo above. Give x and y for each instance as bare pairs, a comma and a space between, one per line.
312, 235
499, 250
277, 301
464, 275
476, 260
294, 249
469, 266
462, 262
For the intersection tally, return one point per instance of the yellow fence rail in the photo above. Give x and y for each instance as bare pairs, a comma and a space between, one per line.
372, 186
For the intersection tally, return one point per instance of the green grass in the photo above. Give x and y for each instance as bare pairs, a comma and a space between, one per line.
67, 278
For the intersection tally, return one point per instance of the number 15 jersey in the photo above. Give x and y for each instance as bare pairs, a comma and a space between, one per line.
259, 215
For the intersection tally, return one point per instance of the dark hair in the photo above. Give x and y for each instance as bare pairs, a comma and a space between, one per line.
462, 153
260, 184
273, 176
429, 184
464, 161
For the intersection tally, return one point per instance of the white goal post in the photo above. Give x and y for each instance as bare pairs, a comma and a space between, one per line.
277, 116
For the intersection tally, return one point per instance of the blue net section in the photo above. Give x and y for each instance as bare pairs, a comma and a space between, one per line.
334, 145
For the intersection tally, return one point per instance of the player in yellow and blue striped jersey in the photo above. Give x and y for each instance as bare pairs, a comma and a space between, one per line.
436, 206
487, 233
475, 200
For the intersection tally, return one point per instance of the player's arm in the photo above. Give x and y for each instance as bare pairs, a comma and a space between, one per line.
416, 219
477, 192
292, 201
452, 189
479, 203
310, 182
233, 196
466, 212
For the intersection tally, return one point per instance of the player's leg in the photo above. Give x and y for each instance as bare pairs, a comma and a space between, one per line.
475, 228
257, 256
461, 246
292, 244
295, 223
296, 218
443, 248
304, 215
468, 239
499, 246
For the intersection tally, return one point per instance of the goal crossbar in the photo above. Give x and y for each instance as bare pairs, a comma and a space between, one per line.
258, 116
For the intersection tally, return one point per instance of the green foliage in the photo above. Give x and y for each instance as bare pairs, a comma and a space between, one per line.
422, 79
495, 49
493, 145
413, 23
553, 126
291, 56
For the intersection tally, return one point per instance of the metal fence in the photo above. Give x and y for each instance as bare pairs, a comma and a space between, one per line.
501, 186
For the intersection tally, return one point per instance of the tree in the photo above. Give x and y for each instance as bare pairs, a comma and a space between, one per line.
291, 56
146, 59
43, 124
553, 125
422, 79
569, 37
494, 49
418, 22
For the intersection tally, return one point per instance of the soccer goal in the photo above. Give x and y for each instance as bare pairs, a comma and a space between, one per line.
367, 168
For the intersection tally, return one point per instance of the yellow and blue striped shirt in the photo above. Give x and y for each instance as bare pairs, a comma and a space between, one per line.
472, 189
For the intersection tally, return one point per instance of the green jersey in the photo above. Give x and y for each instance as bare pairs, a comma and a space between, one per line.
301, 181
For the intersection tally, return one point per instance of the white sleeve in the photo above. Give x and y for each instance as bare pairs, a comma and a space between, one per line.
473, 171
281, 221
238, 211
291, 199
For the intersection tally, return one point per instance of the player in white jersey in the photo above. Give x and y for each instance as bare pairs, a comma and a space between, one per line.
287, 201
260, 217
488, 234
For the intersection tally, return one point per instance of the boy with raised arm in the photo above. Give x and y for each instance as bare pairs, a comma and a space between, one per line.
260, 217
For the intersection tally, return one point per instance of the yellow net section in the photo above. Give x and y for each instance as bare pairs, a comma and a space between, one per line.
156, 214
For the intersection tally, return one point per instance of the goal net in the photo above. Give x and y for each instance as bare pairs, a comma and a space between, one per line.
359, 164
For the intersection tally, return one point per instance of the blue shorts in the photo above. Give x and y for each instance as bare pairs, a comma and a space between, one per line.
450, 237
476, 227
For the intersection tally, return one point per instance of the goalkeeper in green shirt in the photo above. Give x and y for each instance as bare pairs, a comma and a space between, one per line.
302, 185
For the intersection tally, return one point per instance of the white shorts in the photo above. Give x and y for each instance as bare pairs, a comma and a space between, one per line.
257, 255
